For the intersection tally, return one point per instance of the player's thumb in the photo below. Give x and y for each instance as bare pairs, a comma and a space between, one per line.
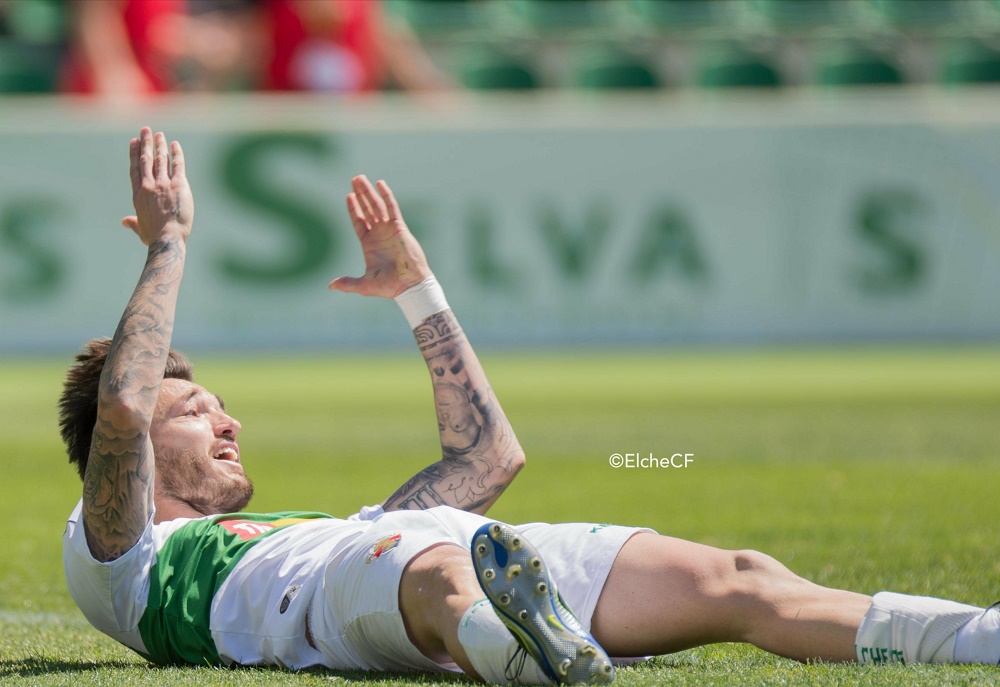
131, 222
346, 284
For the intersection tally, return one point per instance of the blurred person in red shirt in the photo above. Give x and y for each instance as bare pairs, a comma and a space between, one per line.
343, 46
135, 47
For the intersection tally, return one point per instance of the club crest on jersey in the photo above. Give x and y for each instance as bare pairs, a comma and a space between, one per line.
383, 546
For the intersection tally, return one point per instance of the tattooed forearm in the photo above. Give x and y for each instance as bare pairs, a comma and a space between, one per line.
468, 487
481, 455
418, 493
118, 484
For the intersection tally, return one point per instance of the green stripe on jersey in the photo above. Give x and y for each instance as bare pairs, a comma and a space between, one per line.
188, 571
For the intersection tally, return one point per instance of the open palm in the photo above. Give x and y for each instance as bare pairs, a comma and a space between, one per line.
160, 190
394, 261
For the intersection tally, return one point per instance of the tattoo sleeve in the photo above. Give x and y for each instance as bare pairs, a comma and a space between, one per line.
480, 454
118, 482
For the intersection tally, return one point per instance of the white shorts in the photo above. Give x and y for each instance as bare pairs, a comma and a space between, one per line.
361, 626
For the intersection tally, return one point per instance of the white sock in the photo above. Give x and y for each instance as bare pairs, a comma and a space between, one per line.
899, 628
490, 647
978, 641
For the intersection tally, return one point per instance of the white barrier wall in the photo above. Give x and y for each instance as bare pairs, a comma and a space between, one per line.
553, 220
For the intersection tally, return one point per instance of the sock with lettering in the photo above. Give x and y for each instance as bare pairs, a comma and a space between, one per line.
899, 628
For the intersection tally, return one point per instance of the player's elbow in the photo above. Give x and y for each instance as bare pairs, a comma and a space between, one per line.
516, 461
121, 412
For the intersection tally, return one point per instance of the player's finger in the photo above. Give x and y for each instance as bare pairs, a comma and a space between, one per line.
363, 202
146, 153
160, 164
378, 205
133, 164
370, 198
346, 284
131, 222
391, 206
177, 166
357, 216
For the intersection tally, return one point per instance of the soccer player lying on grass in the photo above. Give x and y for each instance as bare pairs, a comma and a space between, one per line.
160, 555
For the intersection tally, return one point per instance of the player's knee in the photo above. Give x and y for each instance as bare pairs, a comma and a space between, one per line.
436, 585
436, 589
457, 581
452, 586
755, 562
729, 576
753, 576
759, 586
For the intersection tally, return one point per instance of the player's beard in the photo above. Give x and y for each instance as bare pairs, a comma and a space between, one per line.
187, 477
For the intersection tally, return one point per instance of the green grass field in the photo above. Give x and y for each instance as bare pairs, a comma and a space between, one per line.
867, 469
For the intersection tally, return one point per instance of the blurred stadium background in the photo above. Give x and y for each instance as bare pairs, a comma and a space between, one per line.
592, 171
763, 231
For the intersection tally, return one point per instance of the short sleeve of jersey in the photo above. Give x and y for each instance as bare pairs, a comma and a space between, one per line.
366, 513
111, 595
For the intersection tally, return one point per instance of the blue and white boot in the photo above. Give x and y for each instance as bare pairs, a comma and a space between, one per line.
517, 584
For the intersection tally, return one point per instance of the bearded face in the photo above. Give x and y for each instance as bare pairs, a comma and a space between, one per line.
196, 453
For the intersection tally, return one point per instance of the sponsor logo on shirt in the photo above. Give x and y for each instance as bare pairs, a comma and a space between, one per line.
290, 594
248, 529
383, 546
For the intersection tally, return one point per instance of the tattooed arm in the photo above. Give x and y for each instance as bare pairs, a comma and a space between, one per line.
480, 454
118, 482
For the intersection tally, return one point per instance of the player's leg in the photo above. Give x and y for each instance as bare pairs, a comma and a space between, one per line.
436, 589
666, 594
447, 618
526, 597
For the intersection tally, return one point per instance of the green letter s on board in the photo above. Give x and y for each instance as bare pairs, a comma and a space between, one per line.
889, 223
309, 233
44, 270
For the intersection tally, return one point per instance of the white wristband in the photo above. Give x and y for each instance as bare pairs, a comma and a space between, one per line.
421, 301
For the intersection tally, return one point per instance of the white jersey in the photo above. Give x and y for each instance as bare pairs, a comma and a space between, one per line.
243, 588
218, 589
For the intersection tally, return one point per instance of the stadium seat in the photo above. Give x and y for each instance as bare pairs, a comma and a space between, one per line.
493, 69
613, 68
556, 16
32, 43
970, 63
915, 14
667, 15
854, 65
735, 66
28, 68
432, 17
804, 14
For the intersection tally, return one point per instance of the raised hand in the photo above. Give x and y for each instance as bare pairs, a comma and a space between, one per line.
480, 454
394, 261
119, 481
160, 191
